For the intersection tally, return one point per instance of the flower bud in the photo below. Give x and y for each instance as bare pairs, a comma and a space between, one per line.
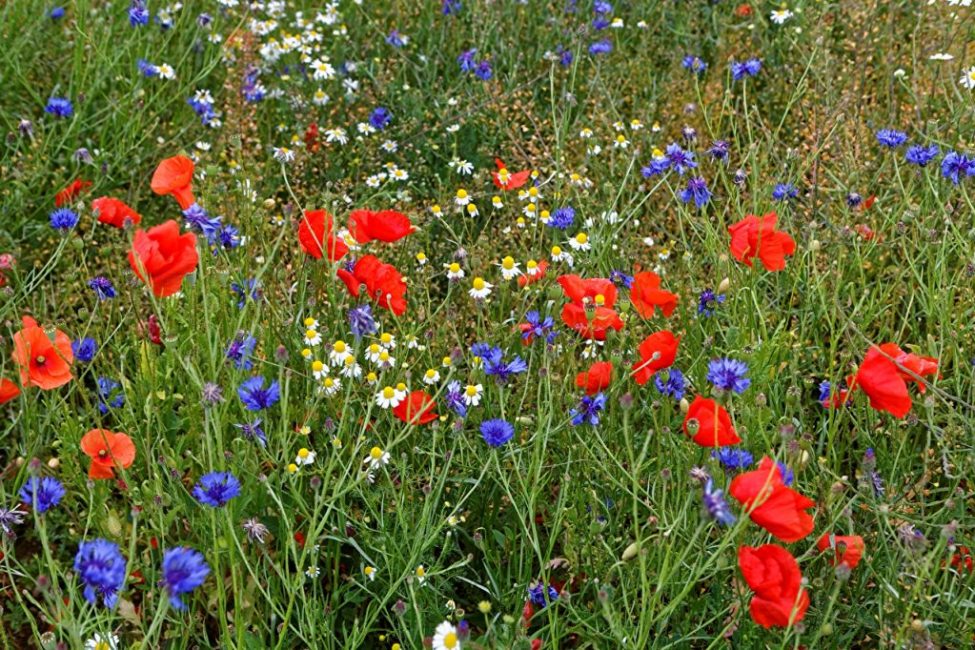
685, 406
724, 285
631, 551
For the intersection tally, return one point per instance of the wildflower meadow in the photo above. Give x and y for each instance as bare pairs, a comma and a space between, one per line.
487, 324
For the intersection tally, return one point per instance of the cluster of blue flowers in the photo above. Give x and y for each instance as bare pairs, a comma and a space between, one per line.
481, 69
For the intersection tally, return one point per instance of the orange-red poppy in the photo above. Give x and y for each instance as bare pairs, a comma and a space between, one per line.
108, 451
714, 426
384, 225
773, 574
315, 236
884, 374
646, 295
597, 378
71, 192
175, 176
533, 275
416, 409
848, 549
590, 312
757, 237
44, 361
114, 212
162, 257
383, 282
8, 390
505, 180
657, 352
771, 503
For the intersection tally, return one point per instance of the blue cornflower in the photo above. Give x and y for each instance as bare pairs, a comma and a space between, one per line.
138, 13
199, 220
565, 56
954, 165
679, 159
147, 69
562, 218
380, 118
655, 167
216, 489
228, 238
483, 70
604, 46
674, 386
787, 474
492, 360
240, 350
708, 301
252, 88
102, 287
202, 104
728, 374
891, 138
689, 134
253, 431
853, 199
733, 458
599, 23
361, 321
84, 349
536, 327
784, 191
455, 398
184, 569
620, 279
717, 508
920, 155
602, 7
42, 493
396, 39
694, 63
749, 68
697, 191
57, 13
588, 410
448, 7
497, 432
825, 391
59, 107
100, 566
540, 596
64, 219
249, 289
466, 60
719, 150
110, 395
255, 397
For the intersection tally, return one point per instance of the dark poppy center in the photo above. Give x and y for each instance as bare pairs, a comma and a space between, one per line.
102, 453
40, 359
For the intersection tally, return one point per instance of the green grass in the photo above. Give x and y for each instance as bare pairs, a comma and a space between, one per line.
559, 503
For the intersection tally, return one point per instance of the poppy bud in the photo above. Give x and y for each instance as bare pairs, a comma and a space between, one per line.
54, 463
724, 285
684, 405
693, 426
631, 551
815, 245
269, 204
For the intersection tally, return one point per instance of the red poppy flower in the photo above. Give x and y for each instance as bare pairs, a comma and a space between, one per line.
68, 194
757, 237
714, 427
311, 137
107, 450
884, 374
771, 503
315, 230
597, 378
175, 176
383, 282
43, 362
533, 275
743, 10
962, 559
114, 212
591, 311
384, 225
8, 390
657, 352
773, 574
162, 257
416, 409
646, 295
848, 548
505, 180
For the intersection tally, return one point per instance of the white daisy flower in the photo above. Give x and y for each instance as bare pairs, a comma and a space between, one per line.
472, 394
305, 457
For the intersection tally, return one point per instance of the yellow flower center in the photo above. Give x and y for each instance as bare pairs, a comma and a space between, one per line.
375, 453
532, 265
533, 192
384, 356
530, 207
508, 263
317, 366
305, 352
478, 284
302, 453
450, 640
350, 361
461, 194
309, 322
401, 386
454, 267
471, 391
339, 346
582, 238
386, 338
310, 334
431, 373
389, 393
471, 208
420, 256
600, 300
556, 251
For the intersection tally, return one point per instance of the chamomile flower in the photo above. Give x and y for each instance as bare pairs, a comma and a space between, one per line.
373, 352
336, 135
400, 175
472, 394
436, 211
318, 369
330, 386
462, 198
636, 125
165, 71
445, 637
387, 340
351, 368
530, 210
388, 398
967, 80
310, 323
305, 457
780, 16
284, 155
376, 459
319, 98
462, 167
580, 242
99, 642
312, 337
372, 378
509, 268
621, 142
472, 210
585, 133
559, 254
480, 288
386, 360
389, 146
370, 572
421, 258
454, 271
496, 202
431, 377
338, 354
307, 353
421, 574
312, 572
